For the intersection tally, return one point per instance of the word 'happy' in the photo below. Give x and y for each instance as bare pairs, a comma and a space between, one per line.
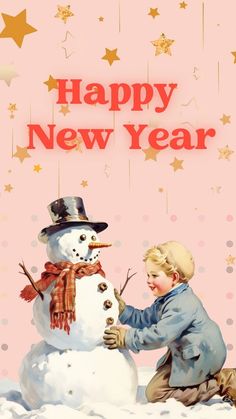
138, 96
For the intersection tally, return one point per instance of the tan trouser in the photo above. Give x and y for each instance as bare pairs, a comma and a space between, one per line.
158, 389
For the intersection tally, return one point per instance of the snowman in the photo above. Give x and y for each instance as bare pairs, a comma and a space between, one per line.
74, 303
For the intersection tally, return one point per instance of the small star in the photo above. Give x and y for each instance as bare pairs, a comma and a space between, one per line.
234, 54
153, 12
177, 164
77, 141
64, 109
64, 13
230, 260
84, 183
16, 27
21, 153
12, 107
182, 5
101, 19
7, 73
225, 153
8, 188
37, 168
68, 44
196, 73
216, 189
51, 83
107, 170
225, 119
111, 55
151, 153
162, 45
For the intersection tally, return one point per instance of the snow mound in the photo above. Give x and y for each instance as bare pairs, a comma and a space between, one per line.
72, 378
171, 409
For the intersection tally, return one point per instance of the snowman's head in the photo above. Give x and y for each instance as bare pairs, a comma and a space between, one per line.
73, 244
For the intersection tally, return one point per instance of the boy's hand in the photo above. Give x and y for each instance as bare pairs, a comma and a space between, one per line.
115, 337
121, 302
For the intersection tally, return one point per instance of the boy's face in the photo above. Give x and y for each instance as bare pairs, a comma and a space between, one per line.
159, 283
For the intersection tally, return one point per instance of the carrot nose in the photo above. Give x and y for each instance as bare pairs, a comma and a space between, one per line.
97, 245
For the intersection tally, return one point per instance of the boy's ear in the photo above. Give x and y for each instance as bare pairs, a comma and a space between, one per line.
175, 277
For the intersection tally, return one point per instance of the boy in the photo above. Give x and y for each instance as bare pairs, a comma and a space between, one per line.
190, 371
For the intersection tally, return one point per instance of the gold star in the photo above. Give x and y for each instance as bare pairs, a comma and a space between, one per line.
230, 260
64, 109
177, 164
225, 119
163, 45
153, 12
111, 55
151, 153
37, 168
216, 189
234, 54
12, 107
182, 5
64, 13
77, 141
7, 73
16, 27
101, 19
8, 188
51, 83
21, 153
84, 183
225, 153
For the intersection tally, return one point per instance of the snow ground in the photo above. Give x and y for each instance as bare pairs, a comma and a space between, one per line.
13, 407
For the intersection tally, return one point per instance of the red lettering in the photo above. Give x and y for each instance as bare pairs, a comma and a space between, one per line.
135, 135
138, 88
63, 138
165, 98
201, 135
63, 90
97, 137
120, 94
154, 138
47, 140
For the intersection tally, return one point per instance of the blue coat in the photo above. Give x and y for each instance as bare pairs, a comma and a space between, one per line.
179, 321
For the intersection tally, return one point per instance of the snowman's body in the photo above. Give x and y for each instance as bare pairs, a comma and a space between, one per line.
98, 374
87, 331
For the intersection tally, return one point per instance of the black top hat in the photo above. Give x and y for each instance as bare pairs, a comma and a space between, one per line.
65, 212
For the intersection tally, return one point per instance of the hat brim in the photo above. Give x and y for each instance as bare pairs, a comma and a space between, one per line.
48, 231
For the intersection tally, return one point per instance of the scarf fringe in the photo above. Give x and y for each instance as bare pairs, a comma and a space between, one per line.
61, 320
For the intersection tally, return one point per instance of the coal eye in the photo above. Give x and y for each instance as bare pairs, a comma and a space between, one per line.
93, 238
82, 237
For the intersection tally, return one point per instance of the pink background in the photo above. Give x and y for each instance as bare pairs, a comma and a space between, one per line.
144, 202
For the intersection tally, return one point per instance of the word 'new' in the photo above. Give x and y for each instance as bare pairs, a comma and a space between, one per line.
73, 91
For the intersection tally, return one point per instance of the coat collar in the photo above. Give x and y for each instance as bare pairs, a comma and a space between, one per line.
175, 291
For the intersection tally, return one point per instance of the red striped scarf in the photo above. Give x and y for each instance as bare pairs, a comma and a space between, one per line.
62, 305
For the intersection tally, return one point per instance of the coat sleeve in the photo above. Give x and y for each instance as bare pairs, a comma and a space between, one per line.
139, 318
174, 320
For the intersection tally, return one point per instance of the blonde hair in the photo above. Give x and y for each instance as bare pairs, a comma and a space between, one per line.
160, 258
